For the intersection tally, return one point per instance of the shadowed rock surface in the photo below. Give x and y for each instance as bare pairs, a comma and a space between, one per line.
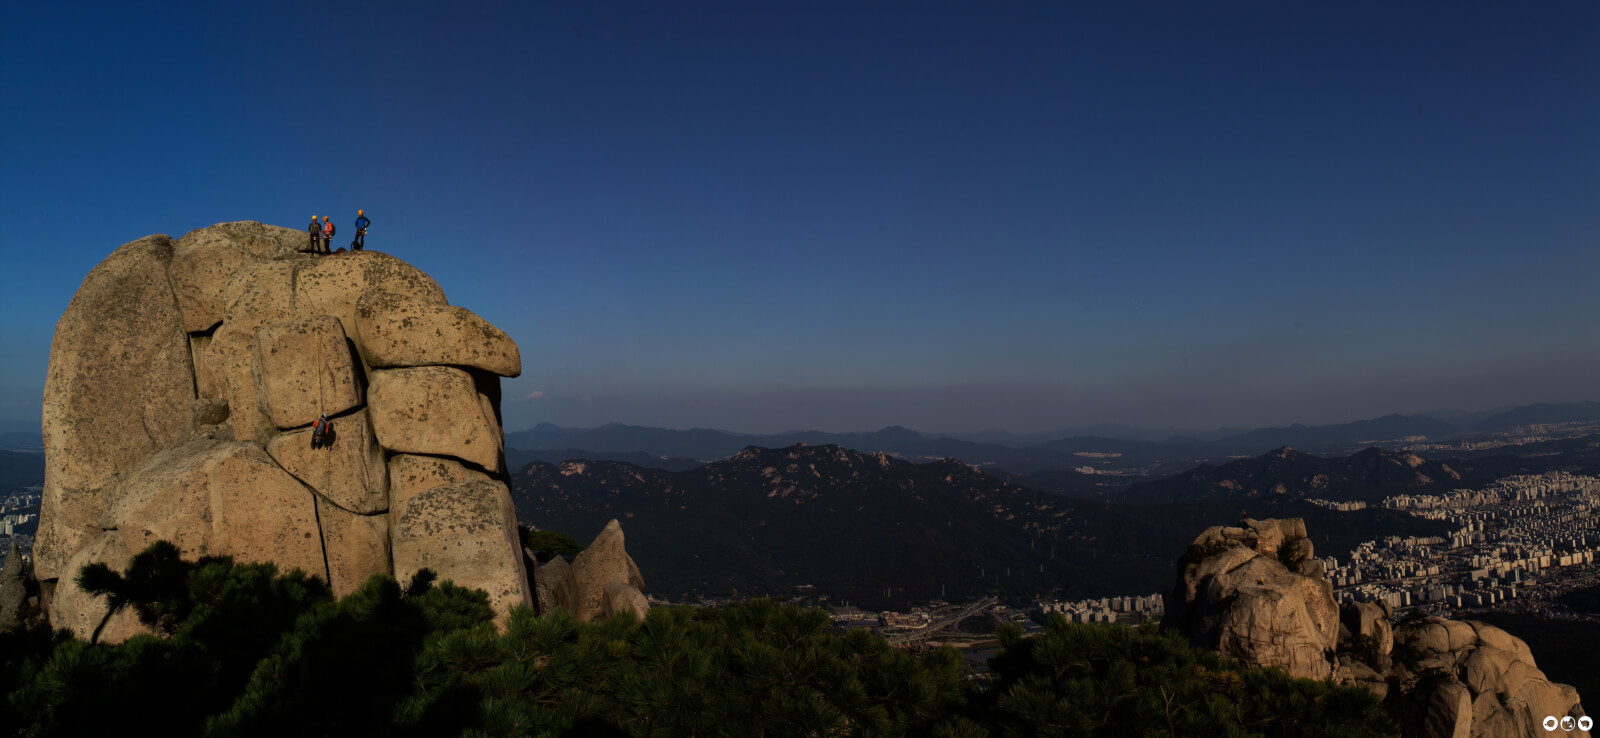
183, 378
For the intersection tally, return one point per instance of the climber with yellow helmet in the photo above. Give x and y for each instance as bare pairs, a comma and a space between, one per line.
362, 221
316, 234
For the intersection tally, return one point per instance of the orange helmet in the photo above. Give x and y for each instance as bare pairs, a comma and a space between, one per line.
359, 211
324, 218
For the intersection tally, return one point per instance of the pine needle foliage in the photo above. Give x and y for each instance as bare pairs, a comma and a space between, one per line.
1083, 679
245, 651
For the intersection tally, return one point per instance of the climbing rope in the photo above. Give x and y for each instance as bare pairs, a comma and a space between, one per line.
318, 370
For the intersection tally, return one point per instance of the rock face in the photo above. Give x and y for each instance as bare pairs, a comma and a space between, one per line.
183, 378
1253, 592
118, 389
434, 410
397, 330
1236, 595
465, 532
601, 581
13, 587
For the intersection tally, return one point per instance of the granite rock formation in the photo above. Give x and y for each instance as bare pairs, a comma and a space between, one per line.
601, 581
1255, 593
184, 376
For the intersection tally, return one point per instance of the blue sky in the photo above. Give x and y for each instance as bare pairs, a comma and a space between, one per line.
762, 216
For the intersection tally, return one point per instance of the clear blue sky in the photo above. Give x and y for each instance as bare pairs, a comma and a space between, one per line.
772, 215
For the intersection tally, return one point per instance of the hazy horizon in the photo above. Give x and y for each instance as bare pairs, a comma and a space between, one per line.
1152, 431
846, 216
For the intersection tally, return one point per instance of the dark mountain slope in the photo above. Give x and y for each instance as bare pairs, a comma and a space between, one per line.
851, 524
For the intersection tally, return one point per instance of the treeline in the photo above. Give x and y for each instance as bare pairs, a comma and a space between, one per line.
247, 651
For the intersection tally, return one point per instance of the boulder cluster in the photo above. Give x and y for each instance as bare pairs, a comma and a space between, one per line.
1255, 592
184, 380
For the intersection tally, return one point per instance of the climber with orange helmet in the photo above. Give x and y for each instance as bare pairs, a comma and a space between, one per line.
327, 235
316, 234
362, 221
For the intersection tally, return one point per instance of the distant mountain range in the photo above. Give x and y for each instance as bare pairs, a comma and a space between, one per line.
885, 532
1367, 476
1018, 454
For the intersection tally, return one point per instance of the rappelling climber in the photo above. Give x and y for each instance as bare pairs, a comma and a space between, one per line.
321, 432
315, 231
362, 221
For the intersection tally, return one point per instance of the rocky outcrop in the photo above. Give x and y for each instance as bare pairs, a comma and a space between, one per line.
1253, 592
184, 377
601, 581
1236, 595
1487, 683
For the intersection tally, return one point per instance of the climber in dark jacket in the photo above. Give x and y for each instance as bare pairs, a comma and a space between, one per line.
316, 235
362, 221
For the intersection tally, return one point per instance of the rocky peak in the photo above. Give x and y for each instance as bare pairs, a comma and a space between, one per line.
184, 378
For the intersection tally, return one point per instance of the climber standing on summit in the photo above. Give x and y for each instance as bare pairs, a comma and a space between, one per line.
362, 221
315, 232
327, 235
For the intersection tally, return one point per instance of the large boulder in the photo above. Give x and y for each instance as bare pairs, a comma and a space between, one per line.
602, 580
1234, 594
1250, 592
350, 472
13, 587
184, 377
117, 390
465, 533
433, 410
396, 330
303, 369
1508, 694
547, 579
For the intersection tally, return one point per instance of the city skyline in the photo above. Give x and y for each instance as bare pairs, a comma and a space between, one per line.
843, 218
